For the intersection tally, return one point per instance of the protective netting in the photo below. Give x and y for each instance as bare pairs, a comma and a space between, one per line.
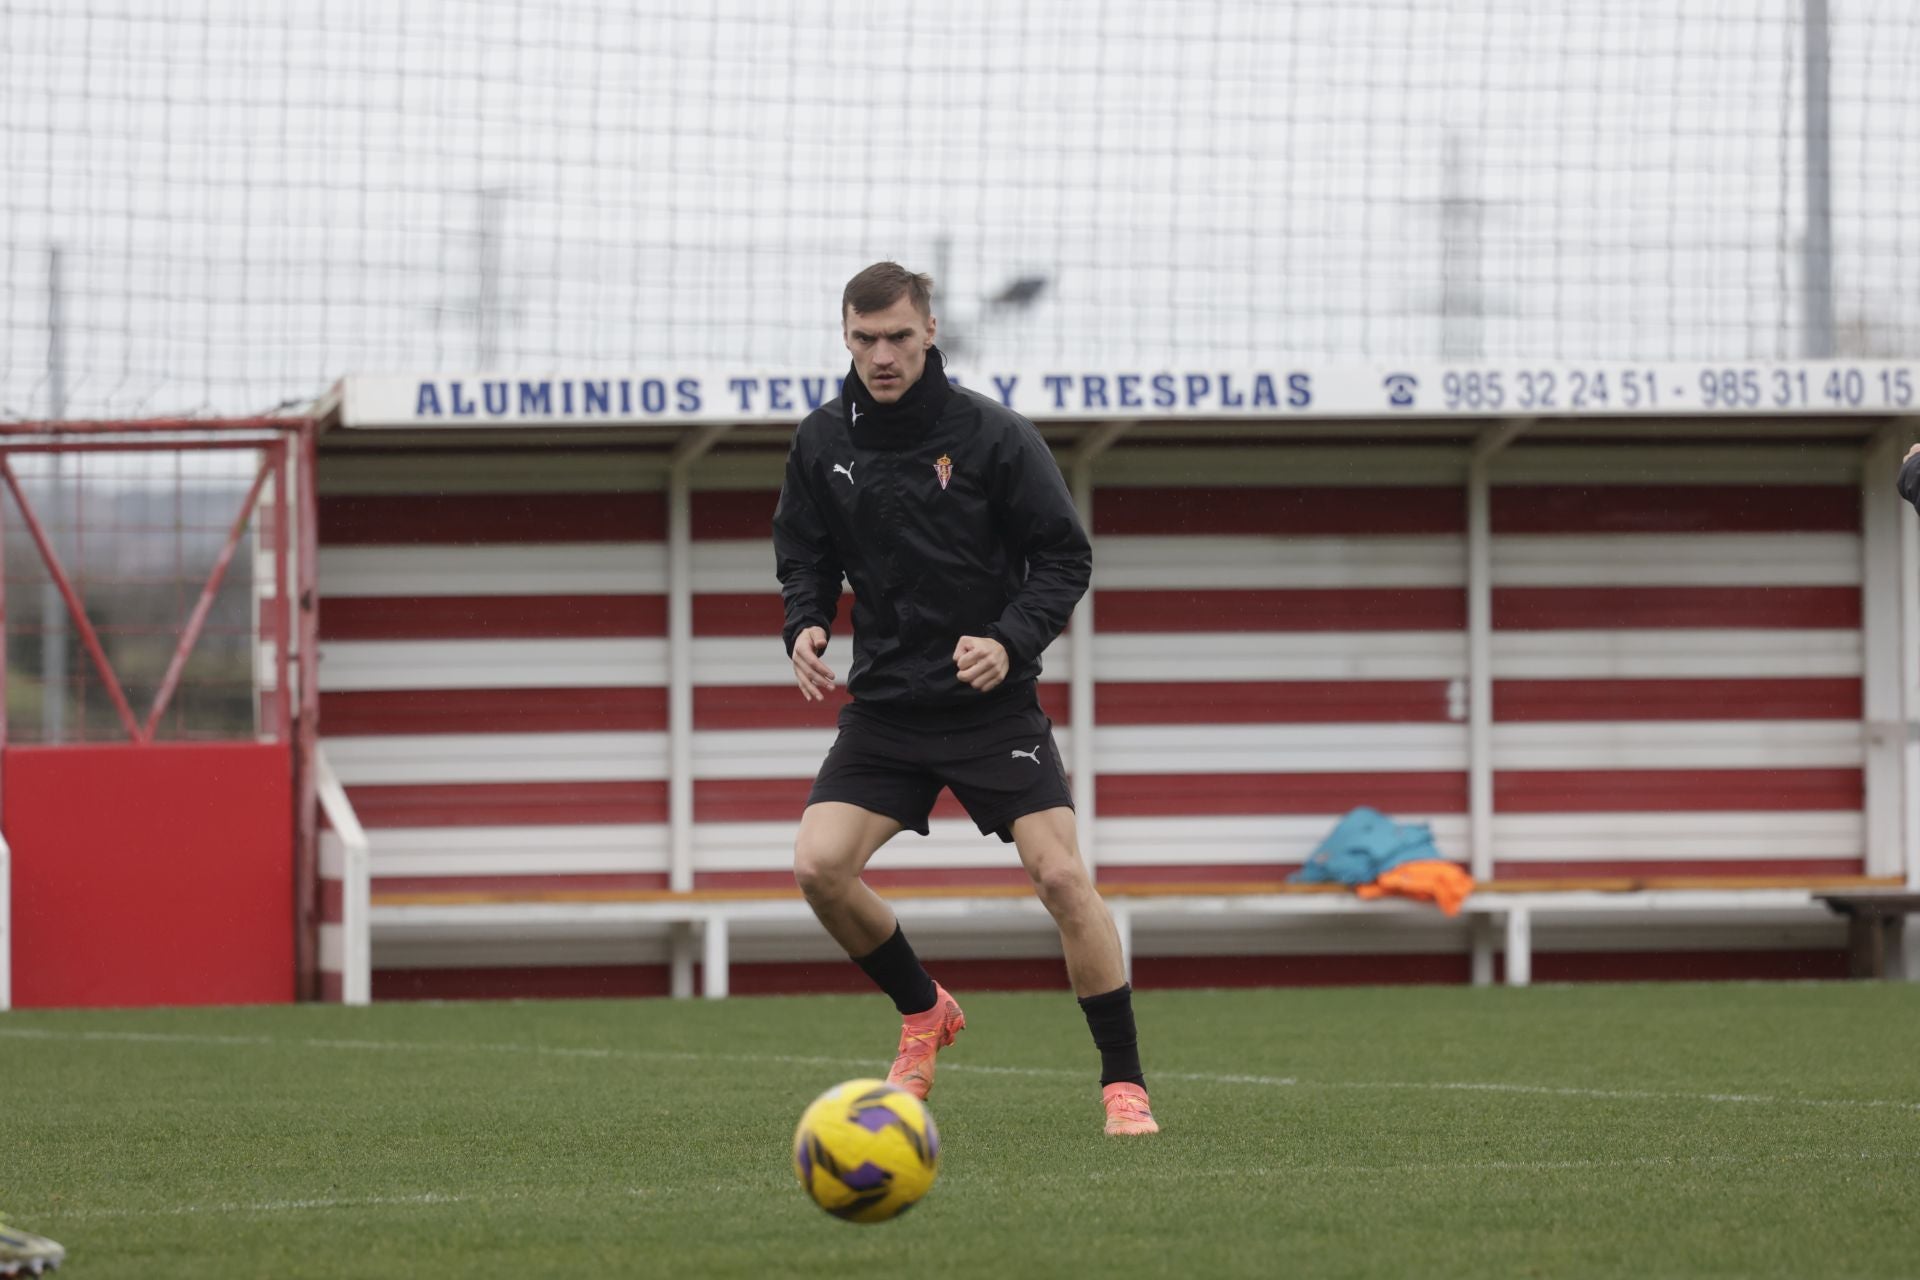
249, 200
137, 537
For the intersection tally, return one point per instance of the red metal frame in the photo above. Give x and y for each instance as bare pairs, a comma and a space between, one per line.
76, 609
198, 427
289, 446
306, 733
190, 633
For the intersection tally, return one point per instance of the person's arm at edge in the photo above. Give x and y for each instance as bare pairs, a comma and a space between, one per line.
810, 574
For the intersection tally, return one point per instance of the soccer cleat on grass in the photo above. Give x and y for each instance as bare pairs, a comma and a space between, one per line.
922, 1035
1127, 1109
24, 1254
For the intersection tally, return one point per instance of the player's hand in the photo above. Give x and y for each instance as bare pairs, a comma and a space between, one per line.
981, 661
814, 677
1910, 453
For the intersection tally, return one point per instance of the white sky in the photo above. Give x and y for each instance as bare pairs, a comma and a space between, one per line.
253, 199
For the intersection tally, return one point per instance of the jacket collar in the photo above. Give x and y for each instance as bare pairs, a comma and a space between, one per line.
907, 419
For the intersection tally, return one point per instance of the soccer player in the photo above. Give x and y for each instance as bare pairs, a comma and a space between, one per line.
946, 512
24, 1254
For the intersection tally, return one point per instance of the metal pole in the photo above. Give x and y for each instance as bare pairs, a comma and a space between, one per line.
53, 610
306, 735
680, 686
1817, 248
1480, 643
69, 595
1461, 234
1080, 674
487, 301
1479, 666
1907, 558
190, 634
283, 623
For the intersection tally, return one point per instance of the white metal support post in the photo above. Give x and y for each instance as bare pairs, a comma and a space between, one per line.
6, 853
6, 925
1886, 657
1519, 947
713, 960
1080, 647
1480, 669
680, 685
1909, 570
356, 884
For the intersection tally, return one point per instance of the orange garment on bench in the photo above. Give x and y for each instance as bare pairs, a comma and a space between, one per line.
1443, 883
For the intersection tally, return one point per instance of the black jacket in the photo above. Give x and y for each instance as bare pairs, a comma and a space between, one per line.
1909, 481
947, 514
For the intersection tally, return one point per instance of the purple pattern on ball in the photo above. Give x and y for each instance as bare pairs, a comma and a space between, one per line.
806, 1159
866, 1177
876, 1119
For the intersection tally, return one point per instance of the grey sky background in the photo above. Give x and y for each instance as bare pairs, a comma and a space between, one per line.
252, 199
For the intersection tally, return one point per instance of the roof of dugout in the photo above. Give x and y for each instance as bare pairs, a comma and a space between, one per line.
1838, 398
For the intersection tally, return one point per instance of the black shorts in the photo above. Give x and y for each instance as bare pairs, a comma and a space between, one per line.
1000, 770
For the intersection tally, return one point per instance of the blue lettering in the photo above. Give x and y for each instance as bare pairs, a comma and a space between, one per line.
1263, 391
1165, 396
427, 402
653, 395
596, 396
1228, 398
688, 389
1198, 384
1093, 391
777, 389
1299, 390
626, 397
1003, 387
1129, 384
814, 391
1057, 383
495, 394
462, 407
566, 397
536, 397
745, 387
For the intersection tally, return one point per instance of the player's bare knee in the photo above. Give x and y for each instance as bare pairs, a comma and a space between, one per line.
822, 874
1062, 885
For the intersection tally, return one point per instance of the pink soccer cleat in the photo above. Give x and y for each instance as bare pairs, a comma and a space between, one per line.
922, 1035
1127, 1109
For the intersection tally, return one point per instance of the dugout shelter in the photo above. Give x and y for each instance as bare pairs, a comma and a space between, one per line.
1597, 624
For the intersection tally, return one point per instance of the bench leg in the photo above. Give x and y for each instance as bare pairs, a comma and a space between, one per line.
680, 960
1876, 945
1907, 967
1519, 947
1480, 930
713, 961
1866, 956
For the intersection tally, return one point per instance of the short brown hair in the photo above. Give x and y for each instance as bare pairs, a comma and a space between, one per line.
880, 286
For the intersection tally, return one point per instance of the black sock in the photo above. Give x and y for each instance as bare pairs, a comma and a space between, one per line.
898, 972
1110, 1018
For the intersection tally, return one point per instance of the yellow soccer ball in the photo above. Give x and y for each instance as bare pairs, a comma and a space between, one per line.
866, 1150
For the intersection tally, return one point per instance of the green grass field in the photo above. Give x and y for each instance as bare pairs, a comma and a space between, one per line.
1736, 1130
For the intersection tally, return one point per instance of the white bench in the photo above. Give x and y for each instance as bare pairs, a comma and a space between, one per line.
1507, 908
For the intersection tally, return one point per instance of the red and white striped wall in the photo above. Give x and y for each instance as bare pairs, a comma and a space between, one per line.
1280, 633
